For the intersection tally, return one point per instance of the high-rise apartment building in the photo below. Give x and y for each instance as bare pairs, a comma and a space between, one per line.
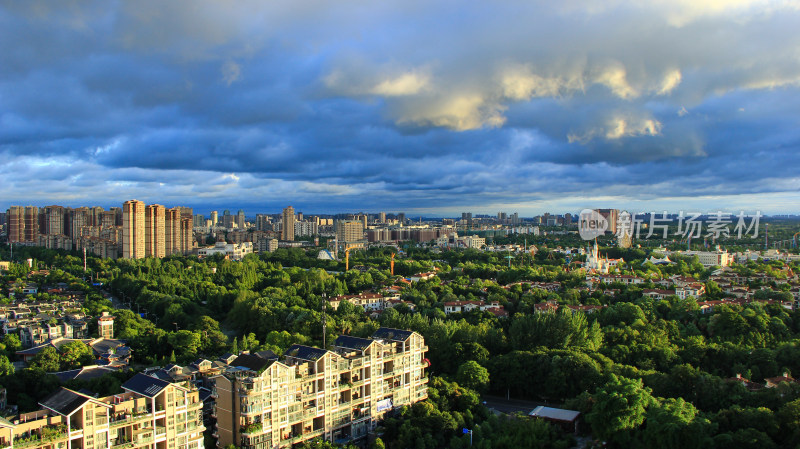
382, 217
337, 395
96, 213
287, 225
227, 219
53, 220
349, 230
79, 219
263, 222
198, 221
117, 213
149, 413
172, 231
305, 228
240, 221
107, 219
154, 232
612, 216
186, 240
401, 218
214, 218
133, 229
22, 223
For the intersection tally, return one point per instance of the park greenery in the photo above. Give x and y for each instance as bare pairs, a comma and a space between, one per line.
644, 372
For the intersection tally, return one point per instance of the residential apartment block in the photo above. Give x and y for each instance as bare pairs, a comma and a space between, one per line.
337, 394
150, 413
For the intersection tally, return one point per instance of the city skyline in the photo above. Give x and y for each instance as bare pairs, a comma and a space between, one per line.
423, 108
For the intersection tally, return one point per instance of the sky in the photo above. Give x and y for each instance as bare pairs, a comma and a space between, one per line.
429, 107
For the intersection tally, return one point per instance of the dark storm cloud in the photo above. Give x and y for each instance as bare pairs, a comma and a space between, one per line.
397, 105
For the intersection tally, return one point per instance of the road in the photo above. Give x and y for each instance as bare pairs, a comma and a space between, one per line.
504, 405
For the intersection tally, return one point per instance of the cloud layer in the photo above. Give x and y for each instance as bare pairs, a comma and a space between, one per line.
413, 106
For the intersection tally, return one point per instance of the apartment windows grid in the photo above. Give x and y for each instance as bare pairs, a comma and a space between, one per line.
150, 412
133, 229
287, 228
312, 392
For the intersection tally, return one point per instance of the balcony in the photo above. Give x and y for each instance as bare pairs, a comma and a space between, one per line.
161, 430
121, 444
143, 440
251, 428
49, 434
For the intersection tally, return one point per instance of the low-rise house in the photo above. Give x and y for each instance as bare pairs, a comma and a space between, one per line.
370, 302
710, 306
772, 382
468, 306
658, 293
747, 383
422, 276
695, 290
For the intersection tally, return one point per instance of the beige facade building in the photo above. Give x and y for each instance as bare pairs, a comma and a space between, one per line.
287, 225
150, 413
349, 230
133, 229
154, 238
338, 395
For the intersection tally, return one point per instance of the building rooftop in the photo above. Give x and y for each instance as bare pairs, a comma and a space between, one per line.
85, 373
305, 352
252, 362
556, 414
346, 341
386, 333
65, 401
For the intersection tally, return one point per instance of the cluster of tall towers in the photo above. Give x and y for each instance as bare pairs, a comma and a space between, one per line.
155, 231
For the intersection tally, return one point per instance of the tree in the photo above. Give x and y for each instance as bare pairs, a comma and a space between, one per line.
12, 343
673, 424
6, 367
472, 375
185, 343
47, 360
555, 330
213, 340
75, 354
619, 407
